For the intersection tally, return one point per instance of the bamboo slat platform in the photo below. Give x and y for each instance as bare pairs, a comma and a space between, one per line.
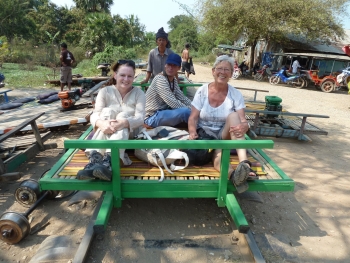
140, 170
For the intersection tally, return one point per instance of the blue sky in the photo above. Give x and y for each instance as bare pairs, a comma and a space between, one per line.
156, 13
153, 14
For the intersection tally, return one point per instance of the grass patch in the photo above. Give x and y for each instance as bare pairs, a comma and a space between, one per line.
24, 76
28, 75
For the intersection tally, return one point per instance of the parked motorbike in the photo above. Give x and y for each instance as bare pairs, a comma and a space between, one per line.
297, 81
344, 78
240, 71
265, 72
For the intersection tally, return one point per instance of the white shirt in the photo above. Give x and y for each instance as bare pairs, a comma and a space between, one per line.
295, 66
215, 118
133, 104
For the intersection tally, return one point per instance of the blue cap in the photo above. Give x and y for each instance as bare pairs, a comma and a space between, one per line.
173, 59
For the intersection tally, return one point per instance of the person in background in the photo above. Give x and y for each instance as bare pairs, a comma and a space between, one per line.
166, 105
66, 59
185, 57
218, 112
296, 65
118, 115
256, 66
158, 56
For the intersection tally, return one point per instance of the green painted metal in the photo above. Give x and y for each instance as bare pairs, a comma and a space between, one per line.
118, 189
14, 164
116, 182
225, 156
170, 144
104, 213
73, 184
236, 213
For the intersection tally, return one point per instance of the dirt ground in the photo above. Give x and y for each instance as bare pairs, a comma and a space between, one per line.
311, 224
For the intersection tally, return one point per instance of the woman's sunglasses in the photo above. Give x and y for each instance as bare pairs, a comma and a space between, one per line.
126, 61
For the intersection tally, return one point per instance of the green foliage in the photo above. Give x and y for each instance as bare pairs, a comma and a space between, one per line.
4, 49
111, 54
99, 30
136, 30
94, 6
183, 30
129, 53
273, 19
207, 42
78, 52
14, 20
86, 68
50, 19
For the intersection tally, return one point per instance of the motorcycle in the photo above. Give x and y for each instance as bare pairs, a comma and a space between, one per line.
240, 71
262, 73
297, 81
343, 78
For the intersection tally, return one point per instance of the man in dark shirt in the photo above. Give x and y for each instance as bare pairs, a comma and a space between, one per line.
67, 60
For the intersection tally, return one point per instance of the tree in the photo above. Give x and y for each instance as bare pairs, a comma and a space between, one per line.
98, 32
94, 5
273, 19
14, 20
183, 29
136, 30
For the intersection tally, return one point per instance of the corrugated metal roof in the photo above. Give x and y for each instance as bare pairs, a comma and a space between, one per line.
315, 55
300, 44
230, 47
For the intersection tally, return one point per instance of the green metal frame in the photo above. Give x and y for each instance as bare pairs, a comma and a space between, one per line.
118, 189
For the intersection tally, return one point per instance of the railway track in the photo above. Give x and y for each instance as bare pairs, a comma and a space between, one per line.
234, 245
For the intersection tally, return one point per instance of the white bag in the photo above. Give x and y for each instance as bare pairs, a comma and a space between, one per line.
163, 157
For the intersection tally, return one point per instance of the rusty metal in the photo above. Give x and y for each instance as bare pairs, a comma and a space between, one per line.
27, 193
13, 227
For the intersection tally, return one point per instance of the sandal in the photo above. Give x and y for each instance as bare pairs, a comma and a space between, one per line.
251, 177
240, 176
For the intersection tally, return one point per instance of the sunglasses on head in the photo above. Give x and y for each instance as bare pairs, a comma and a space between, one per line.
126, 61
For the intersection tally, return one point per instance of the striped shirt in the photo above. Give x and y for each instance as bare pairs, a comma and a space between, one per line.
156, 61
159, 96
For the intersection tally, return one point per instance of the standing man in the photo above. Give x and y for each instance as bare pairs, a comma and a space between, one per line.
296, 65
67, 60
185, 60
158, 56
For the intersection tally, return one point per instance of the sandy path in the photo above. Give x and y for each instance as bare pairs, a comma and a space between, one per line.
311, 224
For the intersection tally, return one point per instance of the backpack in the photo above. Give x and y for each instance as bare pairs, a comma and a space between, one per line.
162, 157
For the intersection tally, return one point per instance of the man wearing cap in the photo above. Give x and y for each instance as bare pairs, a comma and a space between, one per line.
166, 105
158, 55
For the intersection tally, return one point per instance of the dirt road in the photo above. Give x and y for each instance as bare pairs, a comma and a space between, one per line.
311, 224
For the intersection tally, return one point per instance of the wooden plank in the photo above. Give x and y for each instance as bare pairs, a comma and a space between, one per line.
285, 113
22, 140
20, 126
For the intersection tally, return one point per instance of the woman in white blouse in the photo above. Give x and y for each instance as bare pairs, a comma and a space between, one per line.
118, 115
218, 112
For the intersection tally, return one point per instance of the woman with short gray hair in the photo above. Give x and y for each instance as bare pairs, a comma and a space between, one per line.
218, 113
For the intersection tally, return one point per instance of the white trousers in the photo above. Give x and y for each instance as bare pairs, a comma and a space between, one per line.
123, 134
